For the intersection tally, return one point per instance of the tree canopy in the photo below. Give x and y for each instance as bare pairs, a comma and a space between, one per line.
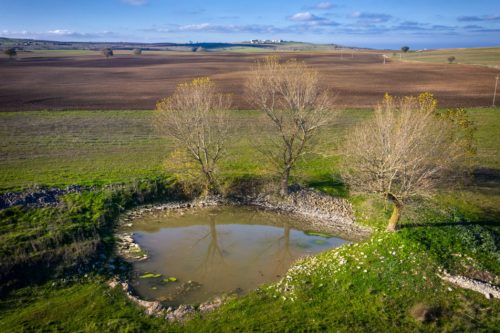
296, 106
195, 116
409, 148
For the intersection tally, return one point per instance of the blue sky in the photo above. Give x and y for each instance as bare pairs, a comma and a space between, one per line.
364, 23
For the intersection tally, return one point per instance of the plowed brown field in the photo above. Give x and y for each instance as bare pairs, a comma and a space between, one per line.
137, 82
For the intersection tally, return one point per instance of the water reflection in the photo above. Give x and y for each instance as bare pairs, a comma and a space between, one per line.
214, 257
219, 250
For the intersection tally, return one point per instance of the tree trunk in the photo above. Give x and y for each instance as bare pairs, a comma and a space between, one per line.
396, 213
211, 185
284, 182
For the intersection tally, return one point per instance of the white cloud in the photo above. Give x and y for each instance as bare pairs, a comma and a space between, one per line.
214, 28
9, 33
371, 17
61, 32
135, 2
307, 19
324, 5
196, 27
303, 17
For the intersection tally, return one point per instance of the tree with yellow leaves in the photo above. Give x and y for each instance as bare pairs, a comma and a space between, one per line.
195, 116
407, 149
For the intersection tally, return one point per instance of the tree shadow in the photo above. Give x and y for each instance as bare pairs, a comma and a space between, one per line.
330, 184
448, 224
485, 180
488, 217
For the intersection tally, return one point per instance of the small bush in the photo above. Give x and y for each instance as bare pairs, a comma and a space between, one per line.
10, 52
107, 52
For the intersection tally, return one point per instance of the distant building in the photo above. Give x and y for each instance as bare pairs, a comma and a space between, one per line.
266, 41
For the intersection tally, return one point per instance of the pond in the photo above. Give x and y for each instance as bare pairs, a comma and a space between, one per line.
200, 253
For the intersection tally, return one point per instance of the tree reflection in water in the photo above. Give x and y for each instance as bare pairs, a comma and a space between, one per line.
214, 257
213, 260
281, 257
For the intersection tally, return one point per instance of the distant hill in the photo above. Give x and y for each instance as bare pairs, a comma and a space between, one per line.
32, 44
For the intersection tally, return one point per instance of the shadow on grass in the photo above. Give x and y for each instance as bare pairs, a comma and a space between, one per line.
328, 184
487, 217
486, 180
451, 224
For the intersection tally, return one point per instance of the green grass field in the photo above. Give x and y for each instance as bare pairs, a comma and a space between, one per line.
100, 147
470, 56
378, 285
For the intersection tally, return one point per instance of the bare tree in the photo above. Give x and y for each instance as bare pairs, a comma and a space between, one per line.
196, 117
407, 149
451, 59
297, 106
137, 51
10, 52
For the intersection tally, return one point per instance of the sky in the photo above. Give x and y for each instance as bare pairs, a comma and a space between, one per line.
389, 24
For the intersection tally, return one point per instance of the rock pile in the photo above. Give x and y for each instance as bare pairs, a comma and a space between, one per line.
173, 314
488, 290
150, 308
37, 198
128, 248
322, 210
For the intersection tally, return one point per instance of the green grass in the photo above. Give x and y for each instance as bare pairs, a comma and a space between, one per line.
59, 148
84, 306
241, 49
87, 147
369, 286
471, 56
36, 244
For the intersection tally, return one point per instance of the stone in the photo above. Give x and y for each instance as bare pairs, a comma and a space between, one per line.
181, 314
488, 290
211, 305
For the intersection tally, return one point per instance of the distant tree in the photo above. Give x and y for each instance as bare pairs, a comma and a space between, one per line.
405, 49
451, 59
408, 149
296, 105
11, 52
107, 52
137, 51
195, 116
198, 49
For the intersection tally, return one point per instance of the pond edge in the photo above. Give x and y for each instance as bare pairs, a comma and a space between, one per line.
331, 214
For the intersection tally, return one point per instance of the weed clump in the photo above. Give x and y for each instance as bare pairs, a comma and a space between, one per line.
424, 313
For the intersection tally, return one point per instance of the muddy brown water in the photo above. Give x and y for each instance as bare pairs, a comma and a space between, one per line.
216, 251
